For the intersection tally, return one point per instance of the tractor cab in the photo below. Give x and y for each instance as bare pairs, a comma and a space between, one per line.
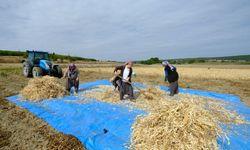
36, 56
38, 64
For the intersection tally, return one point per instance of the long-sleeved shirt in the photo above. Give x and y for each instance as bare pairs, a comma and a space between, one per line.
73, 75
171, 74
122, 74
125, 73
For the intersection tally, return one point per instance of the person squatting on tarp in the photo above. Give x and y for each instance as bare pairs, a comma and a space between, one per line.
171, 75
123, 80
72, 75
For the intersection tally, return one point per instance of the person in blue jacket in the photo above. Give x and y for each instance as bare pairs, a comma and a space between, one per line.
172, 76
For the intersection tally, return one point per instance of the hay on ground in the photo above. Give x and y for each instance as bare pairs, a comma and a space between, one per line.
152, 93
108, 94
45, 87
103, 93
185, 124
180, 122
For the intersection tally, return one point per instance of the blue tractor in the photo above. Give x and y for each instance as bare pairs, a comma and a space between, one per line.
38, 64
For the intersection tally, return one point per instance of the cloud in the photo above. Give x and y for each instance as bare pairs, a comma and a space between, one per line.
127, 29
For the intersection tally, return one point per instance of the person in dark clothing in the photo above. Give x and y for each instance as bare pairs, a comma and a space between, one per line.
172, 76
123, 80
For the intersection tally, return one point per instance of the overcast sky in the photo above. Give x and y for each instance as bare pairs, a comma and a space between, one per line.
127, 29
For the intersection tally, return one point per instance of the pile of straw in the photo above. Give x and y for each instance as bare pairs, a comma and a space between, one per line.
152, 93
103, 93
177, 125
184, 124
180, 122
45, 87
107, 94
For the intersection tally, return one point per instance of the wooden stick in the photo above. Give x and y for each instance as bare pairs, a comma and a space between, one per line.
130, 83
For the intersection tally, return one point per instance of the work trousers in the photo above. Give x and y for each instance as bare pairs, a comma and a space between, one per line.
125, 88
174, 88
72, 82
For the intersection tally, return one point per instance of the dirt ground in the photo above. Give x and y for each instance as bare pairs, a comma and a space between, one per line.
19, 129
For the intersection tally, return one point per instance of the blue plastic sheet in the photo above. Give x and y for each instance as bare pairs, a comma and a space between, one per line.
103, 126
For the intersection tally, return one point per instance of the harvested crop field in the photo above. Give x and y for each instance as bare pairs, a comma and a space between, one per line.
179, 122
15, 121
20, 129
229, 79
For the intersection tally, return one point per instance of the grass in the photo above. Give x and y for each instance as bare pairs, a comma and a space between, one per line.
11, 59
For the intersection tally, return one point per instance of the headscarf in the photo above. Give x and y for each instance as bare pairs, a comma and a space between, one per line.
72, 67
128, 62
166, 63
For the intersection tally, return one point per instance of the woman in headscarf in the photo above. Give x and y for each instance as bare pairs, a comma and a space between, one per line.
172, 76
72, 75
123, 80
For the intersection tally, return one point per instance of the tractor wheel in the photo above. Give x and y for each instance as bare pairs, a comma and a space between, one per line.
27, 71
59, 72
36, 72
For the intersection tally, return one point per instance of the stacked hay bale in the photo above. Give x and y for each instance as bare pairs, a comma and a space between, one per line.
45, 87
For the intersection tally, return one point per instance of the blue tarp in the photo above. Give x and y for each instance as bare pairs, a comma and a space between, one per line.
103, 126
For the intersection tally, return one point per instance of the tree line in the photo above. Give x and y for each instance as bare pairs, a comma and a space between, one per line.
52, 56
